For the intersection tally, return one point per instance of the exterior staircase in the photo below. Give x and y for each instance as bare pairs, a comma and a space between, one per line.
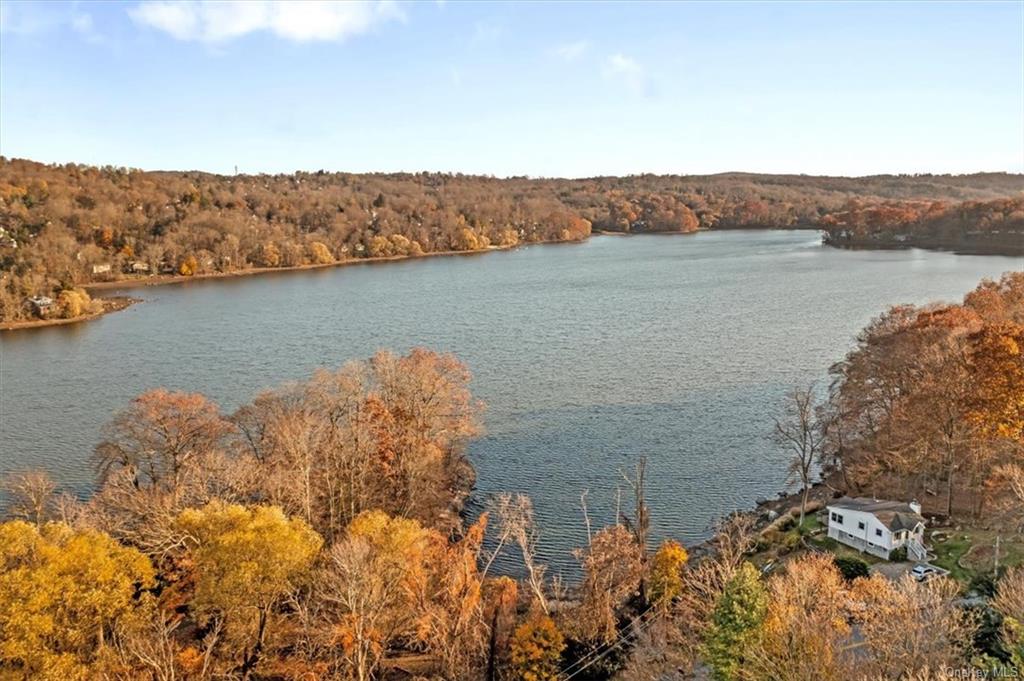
916, 550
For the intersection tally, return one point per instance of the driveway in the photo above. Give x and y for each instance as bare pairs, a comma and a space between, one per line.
893, 571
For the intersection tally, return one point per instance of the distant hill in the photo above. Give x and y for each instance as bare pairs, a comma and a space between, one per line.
64, 225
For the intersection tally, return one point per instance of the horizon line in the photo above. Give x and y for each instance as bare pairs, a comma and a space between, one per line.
240, 173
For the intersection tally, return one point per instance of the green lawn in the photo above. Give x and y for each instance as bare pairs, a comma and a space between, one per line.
981, 545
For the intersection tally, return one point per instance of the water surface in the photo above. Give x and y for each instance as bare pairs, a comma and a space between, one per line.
589, 356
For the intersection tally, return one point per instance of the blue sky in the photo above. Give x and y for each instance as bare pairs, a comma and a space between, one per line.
559, 89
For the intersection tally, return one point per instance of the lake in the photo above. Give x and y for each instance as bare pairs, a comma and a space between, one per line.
589, 356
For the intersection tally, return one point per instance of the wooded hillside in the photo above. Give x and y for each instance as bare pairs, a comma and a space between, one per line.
63, 226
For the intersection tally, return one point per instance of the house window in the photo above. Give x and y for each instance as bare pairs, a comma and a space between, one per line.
860, 526
836, 518
878, 532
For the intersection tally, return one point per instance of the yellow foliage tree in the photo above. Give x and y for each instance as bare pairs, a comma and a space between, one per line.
188, 266
245, 560
997, 364
319, 253
268, 255
62, 593
379, 247
666, 580
75, 303
467, 240
537, 647
806, 627
376, 584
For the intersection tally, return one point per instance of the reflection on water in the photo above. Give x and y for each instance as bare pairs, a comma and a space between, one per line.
588, 356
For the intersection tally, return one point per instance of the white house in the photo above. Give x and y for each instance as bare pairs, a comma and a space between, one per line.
878, 527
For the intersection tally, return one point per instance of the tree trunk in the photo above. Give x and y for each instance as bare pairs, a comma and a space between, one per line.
252, 657
949, 493
492, 648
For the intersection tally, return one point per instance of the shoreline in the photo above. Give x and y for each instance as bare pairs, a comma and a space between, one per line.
166, 279
956, 248
111, 304
118, 303
123, 302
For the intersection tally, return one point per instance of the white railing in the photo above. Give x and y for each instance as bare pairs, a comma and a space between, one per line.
916, 550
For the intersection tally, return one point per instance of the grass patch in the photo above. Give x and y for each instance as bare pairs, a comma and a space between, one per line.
810, 524
979, 547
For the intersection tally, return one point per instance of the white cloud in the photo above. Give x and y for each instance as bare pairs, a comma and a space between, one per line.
627, 70
572, 51
215, 21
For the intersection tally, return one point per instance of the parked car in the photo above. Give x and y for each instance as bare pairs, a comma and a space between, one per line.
921, 572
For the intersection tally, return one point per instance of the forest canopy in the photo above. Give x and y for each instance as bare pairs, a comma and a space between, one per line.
62, 226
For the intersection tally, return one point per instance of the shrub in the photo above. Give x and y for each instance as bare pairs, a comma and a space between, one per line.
851, 568
898, 555
984, 584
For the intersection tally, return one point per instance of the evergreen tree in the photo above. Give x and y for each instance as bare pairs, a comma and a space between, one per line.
735, 623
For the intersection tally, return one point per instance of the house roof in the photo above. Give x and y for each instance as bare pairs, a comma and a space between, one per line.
896, 515
899, 521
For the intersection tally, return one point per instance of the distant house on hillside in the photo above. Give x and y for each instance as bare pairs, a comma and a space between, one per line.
101, 268
138, 267
877, 526
41, 304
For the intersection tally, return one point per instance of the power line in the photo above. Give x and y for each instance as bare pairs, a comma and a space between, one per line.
599, 655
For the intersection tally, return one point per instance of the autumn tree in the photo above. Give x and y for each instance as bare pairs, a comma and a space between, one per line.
62, 595
158, 435
188, 266
453, 628
245, 561
372, 589
1009, 603
666, 578
996, 364
905, 393
75, 302
805, 630
320, 253
31, 496
537, 647
612, 570
705, 581
389, 433
907, 625
500, 598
